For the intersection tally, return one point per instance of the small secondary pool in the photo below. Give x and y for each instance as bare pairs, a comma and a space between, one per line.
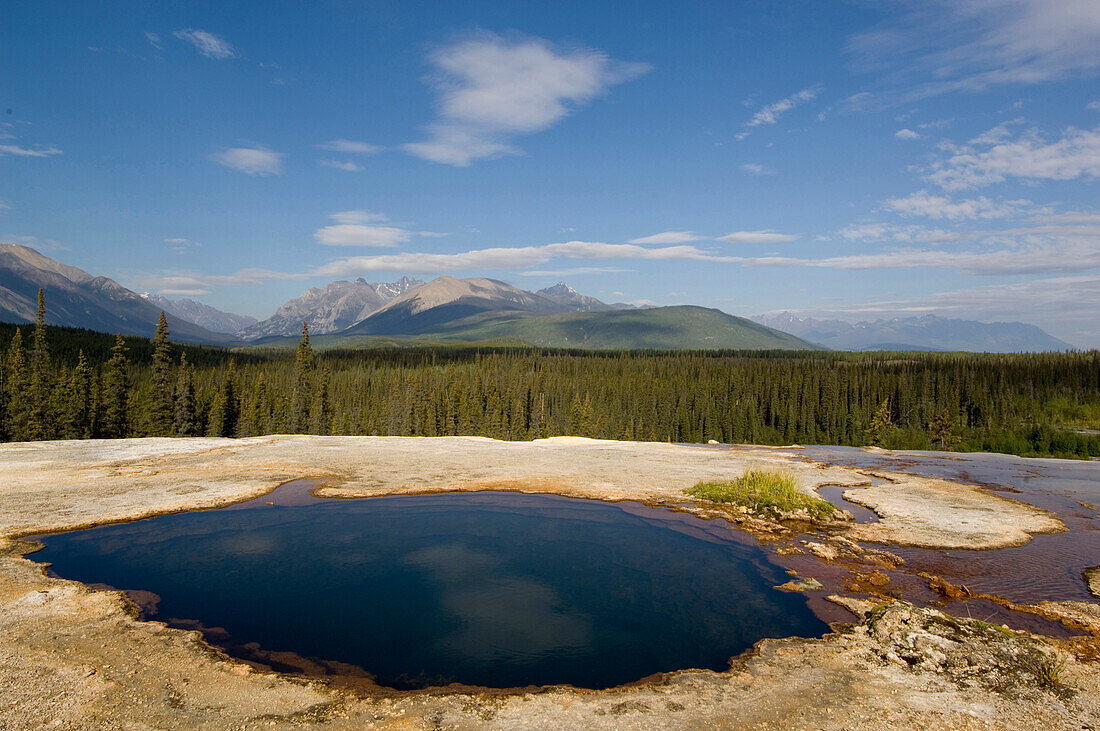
489, 589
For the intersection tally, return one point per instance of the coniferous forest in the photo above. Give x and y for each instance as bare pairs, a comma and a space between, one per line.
63, 383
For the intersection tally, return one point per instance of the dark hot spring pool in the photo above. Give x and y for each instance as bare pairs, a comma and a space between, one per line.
490, 589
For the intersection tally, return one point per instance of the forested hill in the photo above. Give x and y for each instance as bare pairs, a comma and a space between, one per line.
667, 328
1023, 404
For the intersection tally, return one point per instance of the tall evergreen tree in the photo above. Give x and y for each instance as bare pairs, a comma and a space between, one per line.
882, 427
42, 424
78, 407
162, 404
302, 396
186, 421
16, 387
116, 393
322, 420
257, 415
225, 410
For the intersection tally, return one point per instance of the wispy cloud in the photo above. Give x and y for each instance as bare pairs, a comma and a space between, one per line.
492, 89
753, 168
257, 161
350, 146
757, 237
19, 151
193, 284
992, 158
348, 165
907, 134
154, 39
1095, 106
669, 237
570, 271
207, 43
943, 46
923, 203
360, 228
770, 113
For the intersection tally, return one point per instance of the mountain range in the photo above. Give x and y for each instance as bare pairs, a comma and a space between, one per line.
330, 309
926, 332
474, 309
203, 315
78, 299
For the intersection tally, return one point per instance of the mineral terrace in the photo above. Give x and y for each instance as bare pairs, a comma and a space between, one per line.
71, 657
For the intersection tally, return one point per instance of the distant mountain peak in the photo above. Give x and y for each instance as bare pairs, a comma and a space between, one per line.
918, 332
202, 314
559, 289
331, 308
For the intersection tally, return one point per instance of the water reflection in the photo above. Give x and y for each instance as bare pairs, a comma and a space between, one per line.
495, 589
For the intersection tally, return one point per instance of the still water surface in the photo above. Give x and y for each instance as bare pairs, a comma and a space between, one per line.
491, 589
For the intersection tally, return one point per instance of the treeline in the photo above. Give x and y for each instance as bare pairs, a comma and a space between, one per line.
1021, 404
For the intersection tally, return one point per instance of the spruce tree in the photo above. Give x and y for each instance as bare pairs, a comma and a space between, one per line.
41, 423
256, 418
302, 396
185, 423
78, 406
116, 393
882, 427
16, 387
162, 403
322, 420
225, 411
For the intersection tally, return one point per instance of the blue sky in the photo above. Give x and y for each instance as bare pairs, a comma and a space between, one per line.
851, 159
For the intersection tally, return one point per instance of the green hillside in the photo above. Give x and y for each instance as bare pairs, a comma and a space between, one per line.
664, 328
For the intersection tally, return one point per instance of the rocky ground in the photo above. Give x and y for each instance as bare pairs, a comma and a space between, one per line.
71, 657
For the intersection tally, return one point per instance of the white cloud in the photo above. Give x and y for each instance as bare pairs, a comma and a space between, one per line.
350, 146
459, 147
923, 203
1093, 105
153, 38
187, 283
356, 234
971, 45
753, 168
1075, 155
359, 228
358, 216
257, 161
770, 113
907, 134
520, 257
207, 43
18, 151
757, 237
4, 205
568, 271
348, 165
668, 237
491, 88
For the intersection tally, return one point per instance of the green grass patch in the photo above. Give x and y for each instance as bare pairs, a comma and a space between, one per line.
765, 493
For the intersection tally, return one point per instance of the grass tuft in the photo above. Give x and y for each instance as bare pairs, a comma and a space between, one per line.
765, 493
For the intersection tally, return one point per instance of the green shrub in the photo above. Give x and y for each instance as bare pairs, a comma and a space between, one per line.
764, 493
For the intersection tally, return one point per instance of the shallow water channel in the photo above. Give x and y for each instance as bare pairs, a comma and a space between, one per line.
489, 589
